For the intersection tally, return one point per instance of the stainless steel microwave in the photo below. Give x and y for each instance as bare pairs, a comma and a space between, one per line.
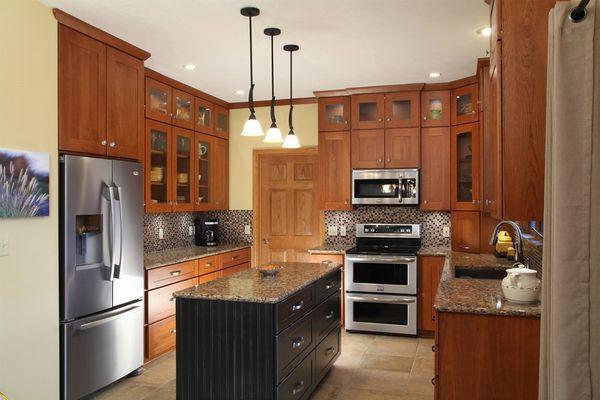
385, 186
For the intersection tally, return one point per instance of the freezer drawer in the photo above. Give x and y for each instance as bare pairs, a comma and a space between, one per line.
101, 349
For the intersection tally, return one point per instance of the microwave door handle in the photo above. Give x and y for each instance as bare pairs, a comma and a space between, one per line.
400, 185
119, 198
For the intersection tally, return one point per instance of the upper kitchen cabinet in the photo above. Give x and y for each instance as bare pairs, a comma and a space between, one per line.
368, 111
204, 121
183, 109
221, 174
402, 109
464, 167
435, 169
159, 101
335, 171
435, 108
204, 172
465, 104
159, 184
368, 148
183, 169
221, 122
402, 147
100, 97
334, 113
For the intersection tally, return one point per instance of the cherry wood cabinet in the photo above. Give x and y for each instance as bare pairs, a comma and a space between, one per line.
368, 148
465, 231
368, 111
204, 174
435, 169
221, 174
159, 101
221, 122
429, 275
435, 108
183, 109
465, 167
402, 147
183, 169
157, 167
492, 188
402, 109
465, 104
335, 171
334, 113
204, 121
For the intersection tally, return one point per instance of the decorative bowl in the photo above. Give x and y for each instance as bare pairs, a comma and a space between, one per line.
270, 269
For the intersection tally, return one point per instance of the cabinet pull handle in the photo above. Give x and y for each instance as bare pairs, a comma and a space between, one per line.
345, 201
433, 348
176, 273
330, 284
330, 315
424, 201
297, 342
172, 299
173, 330
103, 143
208, 265
298, 387
298, 306
235, 257
433, 381
329, 350
112, 144
464, 247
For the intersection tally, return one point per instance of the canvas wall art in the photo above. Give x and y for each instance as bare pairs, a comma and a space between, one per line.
24, 184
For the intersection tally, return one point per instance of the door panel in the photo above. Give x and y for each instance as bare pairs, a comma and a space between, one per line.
158, 101
158, 167
464, 168
402, 148
221, 174
334, 113
367, 111
465, 231
435, 108
183, 169
204, 121
335, 170
183, 109
465, 104
368, 148
402, 109
435, 169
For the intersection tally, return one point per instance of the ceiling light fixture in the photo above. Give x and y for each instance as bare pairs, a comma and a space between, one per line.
273, 133
189, 67
252, 126
486, 31
240, 92
291, 140
435, 75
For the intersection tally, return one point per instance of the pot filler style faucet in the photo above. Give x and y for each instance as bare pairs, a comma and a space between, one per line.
518, 238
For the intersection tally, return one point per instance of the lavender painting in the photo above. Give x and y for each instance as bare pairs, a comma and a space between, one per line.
24, 184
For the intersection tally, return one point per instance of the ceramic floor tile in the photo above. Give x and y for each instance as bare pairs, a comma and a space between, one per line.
366, 394
391, 345
376, 379
326, 392
125, 390
387, 363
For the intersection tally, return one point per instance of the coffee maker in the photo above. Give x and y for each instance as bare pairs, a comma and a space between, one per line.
206, 232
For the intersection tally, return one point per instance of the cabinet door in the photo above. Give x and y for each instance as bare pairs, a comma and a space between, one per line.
221, 174
334, 113
402, 148
368, 148
334, 170
159, 101
465, 231
435, 108
183, 169
204, 171
183, 109
204, 121
435, 169
367, 111
81, 93
430, 272
158, 167
492, 141
221, 122
124, 105
465, 107
402, 109
464, 167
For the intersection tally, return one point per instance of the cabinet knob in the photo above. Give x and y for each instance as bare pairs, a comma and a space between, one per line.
474, 201
379, 161
379, 119
345, 201
173, 330
424, 201
346, 122
170, 114
388, 119
112, 144
424, 118
388, 160
103, 143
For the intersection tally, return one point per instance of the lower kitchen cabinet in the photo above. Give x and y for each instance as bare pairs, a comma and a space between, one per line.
338, 259
429, 274
486, 357
465, 231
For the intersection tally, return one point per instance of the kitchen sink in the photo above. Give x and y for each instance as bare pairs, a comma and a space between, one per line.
479, 273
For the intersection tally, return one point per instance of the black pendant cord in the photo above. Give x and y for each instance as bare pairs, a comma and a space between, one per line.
291, 97
273, 122
251, 92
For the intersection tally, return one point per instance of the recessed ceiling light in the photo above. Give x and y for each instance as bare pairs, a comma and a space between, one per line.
189, 67
240, 92
435, 75
487, 31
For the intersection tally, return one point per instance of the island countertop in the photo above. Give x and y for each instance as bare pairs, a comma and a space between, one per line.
180, 254
251, 286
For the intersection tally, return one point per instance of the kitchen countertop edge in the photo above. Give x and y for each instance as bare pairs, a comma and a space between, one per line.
176, 255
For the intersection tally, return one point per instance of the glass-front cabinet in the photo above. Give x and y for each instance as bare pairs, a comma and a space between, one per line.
158, 166
183, 109
465, 104
465, 167
159, 98
435, 108
221, 122
368, 111
204, 163
402, 110
203, 116
183, 166
334, 113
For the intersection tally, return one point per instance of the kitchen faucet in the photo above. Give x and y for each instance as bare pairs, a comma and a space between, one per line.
518, 238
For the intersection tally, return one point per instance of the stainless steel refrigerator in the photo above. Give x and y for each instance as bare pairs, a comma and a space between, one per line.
101, 272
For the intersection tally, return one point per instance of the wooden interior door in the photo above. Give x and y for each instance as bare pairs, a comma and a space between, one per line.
368, 148
402, 148
285, 195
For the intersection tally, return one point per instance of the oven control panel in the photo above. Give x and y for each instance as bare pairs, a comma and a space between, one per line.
388, 230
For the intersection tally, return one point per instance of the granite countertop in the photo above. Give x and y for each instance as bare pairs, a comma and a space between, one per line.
180, 254
433, 251
330, 249
477, 296
251, 286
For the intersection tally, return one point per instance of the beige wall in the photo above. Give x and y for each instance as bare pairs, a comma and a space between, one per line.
241, 148
29, 360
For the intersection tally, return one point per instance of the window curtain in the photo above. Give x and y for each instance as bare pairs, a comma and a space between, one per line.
570, 346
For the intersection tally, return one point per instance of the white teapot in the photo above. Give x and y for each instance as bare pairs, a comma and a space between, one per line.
521, 285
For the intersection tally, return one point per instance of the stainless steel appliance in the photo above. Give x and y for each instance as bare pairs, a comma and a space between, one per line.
381, 279
101, 272
206, 232
385, 186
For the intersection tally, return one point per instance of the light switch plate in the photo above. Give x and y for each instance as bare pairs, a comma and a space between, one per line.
446, 231
4, 246
332, 230
247, 229
191, 230
342, 230
161, 233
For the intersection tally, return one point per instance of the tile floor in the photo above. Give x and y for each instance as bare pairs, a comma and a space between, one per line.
371, 367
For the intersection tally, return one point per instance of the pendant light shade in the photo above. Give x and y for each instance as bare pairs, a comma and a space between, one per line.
273, 133
252, 126
291, 140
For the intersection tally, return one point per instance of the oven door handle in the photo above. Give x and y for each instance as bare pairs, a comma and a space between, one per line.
398, 300
379, 259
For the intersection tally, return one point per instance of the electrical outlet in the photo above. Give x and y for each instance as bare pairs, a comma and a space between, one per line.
191, 230
161, 233
247, 229
332, 230
342, 230
4, 247
446, 231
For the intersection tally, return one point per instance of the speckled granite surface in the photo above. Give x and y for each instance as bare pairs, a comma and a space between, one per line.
252, 286
433, 251
477, 296
181, 254
330, 249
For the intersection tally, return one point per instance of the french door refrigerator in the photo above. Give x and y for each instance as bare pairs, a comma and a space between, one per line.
101, 272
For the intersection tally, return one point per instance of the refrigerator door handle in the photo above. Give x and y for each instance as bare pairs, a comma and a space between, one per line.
118, 197
111, 196
120, 314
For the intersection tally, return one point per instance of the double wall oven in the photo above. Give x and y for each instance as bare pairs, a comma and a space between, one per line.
381, 279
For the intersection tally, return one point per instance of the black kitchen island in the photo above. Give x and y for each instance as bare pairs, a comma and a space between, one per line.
251, 337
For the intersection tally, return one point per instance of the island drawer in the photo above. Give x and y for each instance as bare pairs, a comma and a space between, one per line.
232, 258
169, 274
207, 265
294, 307
161, 337
328, 285
293, 344
326, 316
161, 303
300, 382
326, 352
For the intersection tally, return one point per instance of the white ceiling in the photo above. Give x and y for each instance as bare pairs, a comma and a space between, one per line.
343, 43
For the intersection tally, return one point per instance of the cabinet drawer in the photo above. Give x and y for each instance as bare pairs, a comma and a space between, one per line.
292, 345
163, 276
234, 258
294, 307
207, 265
328, 285
326, 353
161, 303
235, 270
209, 277
300, 382
326, 316
161, 337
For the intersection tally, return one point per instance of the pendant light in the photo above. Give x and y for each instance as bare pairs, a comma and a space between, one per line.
291, 140
252, 126
273, 133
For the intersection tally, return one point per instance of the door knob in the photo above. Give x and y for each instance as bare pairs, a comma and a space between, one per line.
266, 241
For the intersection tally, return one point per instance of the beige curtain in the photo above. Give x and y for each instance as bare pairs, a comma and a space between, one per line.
570, 349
